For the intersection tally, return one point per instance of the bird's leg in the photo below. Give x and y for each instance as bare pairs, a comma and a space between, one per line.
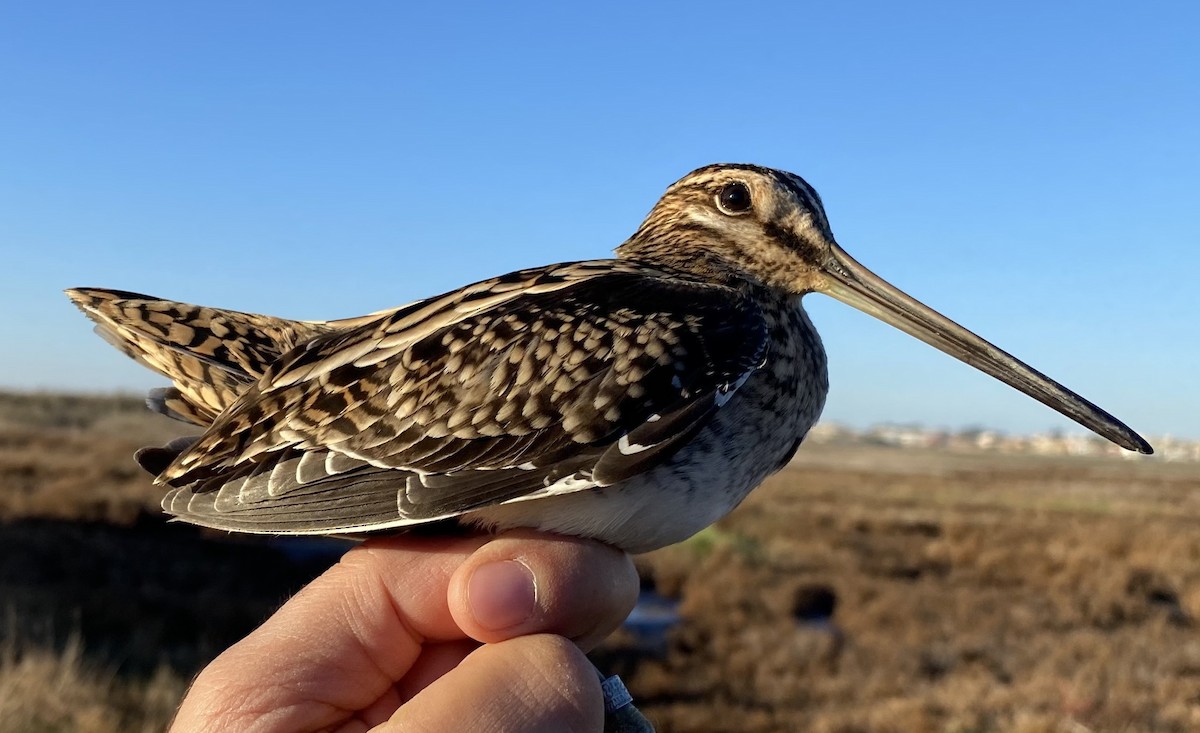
620, 714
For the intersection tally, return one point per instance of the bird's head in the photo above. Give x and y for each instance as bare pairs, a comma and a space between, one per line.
739, 222
748, 224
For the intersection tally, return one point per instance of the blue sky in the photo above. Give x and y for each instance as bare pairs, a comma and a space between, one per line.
1030, 169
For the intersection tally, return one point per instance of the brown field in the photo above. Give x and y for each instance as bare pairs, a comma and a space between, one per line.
974, 592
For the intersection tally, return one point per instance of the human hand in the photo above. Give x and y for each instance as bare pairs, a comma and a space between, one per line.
428, 634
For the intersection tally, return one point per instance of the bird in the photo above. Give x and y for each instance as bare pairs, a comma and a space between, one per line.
634, 400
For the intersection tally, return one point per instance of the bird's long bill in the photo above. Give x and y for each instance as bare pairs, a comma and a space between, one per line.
855, 285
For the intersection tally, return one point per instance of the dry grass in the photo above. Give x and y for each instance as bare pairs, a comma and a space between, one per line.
47, 691
975, 593
70, 456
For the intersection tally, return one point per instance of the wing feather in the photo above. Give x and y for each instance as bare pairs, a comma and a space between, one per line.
588, 376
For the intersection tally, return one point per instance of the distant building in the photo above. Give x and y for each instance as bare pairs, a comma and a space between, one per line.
1053, 443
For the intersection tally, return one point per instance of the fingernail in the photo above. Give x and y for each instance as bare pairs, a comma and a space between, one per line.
502, 594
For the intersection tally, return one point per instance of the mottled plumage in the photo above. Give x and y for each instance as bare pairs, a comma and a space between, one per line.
634, 400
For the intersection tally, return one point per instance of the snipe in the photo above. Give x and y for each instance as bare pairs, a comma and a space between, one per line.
634, 400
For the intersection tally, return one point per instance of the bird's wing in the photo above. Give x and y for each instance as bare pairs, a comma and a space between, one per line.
209, 354
543, 381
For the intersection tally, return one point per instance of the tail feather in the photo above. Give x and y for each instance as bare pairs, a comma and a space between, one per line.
171, 402
155, 459
209, 354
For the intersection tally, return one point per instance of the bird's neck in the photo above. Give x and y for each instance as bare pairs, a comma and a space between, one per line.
698, 258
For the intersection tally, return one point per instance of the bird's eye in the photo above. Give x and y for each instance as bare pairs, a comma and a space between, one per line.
734, 198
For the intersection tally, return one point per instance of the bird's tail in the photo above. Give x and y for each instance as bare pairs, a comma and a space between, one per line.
210, 355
